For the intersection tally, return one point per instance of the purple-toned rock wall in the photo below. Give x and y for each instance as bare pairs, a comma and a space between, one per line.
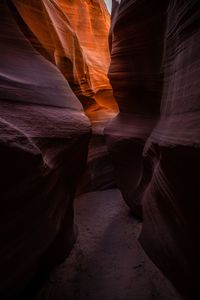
154, 141
136, 43
44, 138
171, 201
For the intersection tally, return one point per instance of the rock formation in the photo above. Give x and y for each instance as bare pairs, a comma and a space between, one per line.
55, 53
70, 34
171, 201
42, 129
154, 141
73, 35
136, 42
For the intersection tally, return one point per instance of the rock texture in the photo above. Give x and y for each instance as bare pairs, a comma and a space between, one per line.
136, 42
42, 129
74, 36
171, 201
44, 134
154, 141
26, 75
99, 173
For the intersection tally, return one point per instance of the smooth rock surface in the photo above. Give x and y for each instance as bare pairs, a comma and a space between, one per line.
136, 45
99, 173
154, 141
40, 168
42, 128
25, 74
73, 35
171, 201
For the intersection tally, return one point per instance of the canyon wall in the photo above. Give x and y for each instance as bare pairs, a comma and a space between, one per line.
53, 50
154, 141
44, 136
73, 36
136, 43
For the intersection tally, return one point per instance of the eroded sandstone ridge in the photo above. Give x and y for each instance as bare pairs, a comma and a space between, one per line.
136, 43
154, 141
70, 34
44, 137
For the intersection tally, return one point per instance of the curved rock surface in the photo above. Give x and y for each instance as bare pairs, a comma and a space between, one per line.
74, 36
154, 141
44, 134
136, 43
42, 125
25, 75
171, 201
99, 173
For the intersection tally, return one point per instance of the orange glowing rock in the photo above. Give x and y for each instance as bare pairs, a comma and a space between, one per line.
74, 36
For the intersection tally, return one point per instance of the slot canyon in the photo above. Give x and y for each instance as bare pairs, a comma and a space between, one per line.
99, 149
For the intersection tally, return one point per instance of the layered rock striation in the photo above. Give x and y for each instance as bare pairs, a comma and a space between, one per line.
44, 136
136, 43
154, 141
171, 222
73, 36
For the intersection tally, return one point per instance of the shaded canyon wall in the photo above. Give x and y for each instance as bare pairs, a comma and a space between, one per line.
154, 141
42, 129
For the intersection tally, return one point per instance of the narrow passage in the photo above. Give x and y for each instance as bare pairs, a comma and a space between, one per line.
107, 262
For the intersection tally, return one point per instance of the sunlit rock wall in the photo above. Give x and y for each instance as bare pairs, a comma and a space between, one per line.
154, 141
44, 138
74, 36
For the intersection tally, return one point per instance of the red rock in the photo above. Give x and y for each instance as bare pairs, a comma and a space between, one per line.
42, 125
74, 36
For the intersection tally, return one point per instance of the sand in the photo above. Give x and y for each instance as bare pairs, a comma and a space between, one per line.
107, 262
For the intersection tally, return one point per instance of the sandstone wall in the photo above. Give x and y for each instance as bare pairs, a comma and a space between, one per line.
74, 36
154, 141
44, 136
136, 43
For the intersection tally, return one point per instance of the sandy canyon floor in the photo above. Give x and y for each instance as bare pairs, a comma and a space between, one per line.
107, 262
